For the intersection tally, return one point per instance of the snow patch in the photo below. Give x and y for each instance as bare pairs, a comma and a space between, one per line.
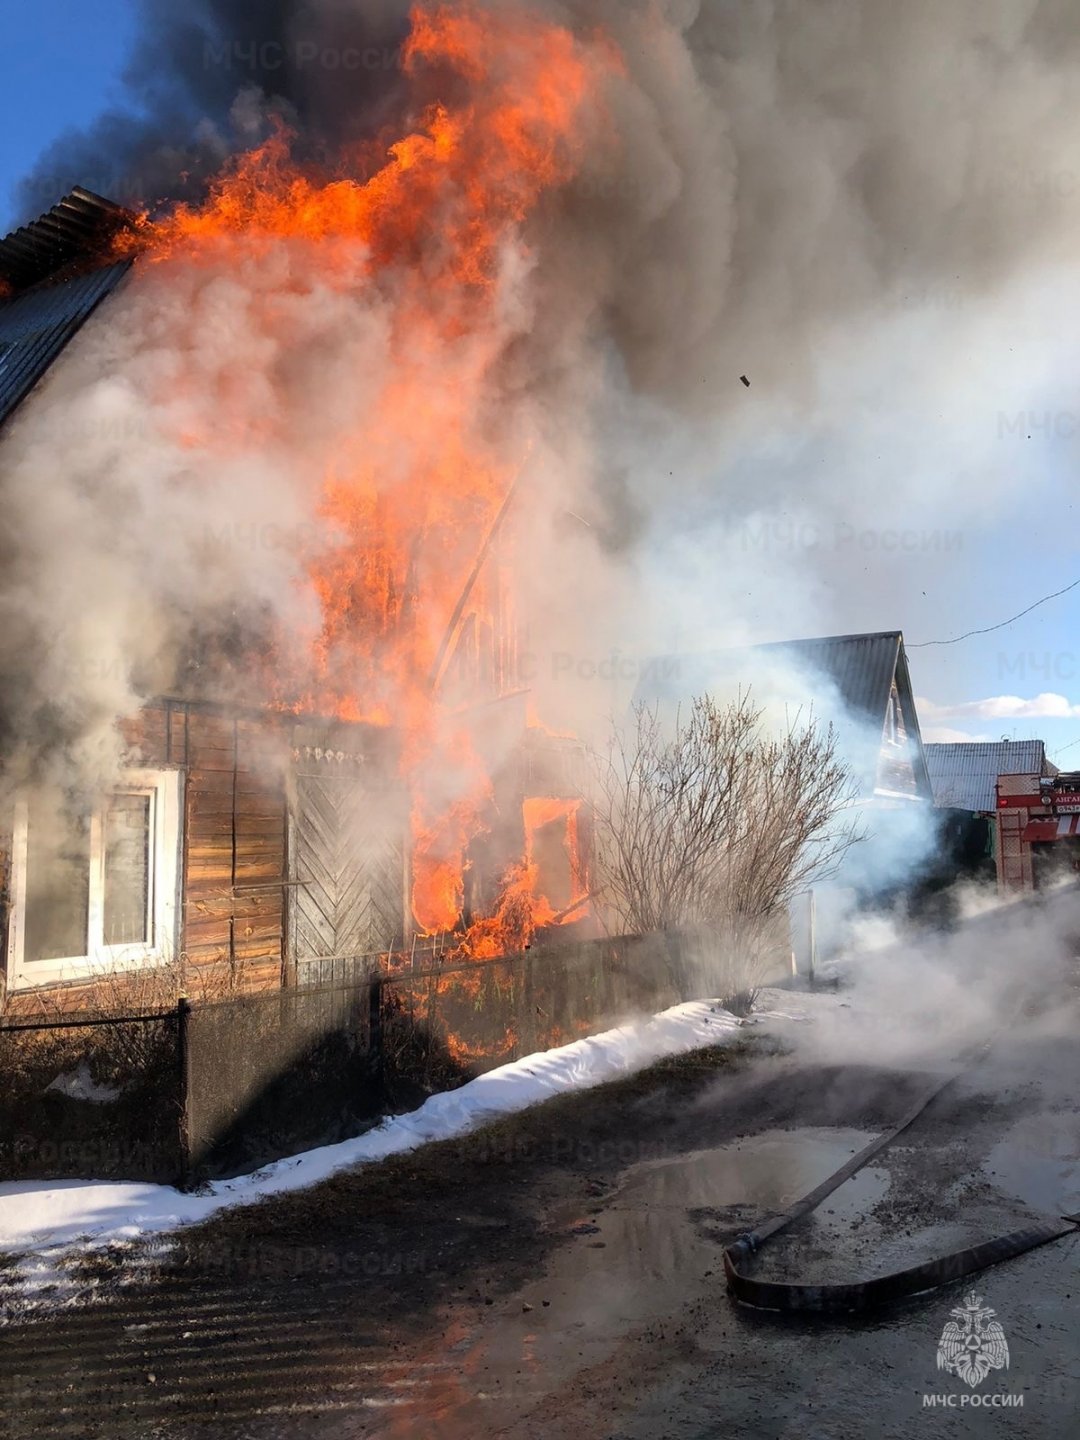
80, 1085
43, 1222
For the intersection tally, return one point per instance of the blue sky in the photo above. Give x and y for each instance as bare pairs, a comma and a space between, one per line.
62, 66
1011, 565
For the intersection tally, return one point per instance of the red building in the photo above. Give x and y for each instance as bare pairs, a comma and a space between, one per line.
987, 787
1038, 830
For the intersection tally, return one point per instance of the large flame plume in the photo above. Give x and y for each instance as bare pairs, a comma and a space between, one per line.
411, 492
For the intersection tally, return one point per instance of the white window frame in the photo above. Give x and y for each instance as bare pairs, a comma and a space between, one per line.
164, 790
894, 722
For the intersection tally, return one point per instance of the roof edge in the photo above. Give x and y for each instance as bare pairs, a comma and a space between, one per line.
76, 233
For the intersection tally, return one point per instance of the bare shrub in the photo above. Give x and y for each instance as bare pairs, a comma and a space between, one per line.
712, 824
121, 1048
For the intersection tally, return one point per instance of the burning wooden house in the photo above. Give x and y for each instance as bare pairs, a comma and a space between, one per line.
254, 840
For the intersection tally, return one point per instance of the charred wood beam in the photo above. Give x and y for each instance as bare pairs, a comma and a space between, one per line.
438, 670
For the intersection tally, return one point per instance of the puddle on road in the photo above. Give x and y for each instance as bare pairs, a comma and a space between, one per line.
1038, 1162
766, 1172
654, 1246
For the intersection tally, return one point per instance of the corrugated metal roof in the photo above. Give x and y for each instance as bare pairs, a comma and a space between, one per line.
845, 677
77, 228
35, 327
964, 774
861, 669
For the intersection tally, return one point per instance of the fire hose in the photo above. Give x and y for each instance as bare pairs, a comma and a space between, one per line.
864, 1294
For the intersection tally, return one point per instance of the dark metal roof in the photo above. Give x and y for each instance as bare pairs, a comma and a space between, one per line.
964, 774
858, 671
35, 327
78, 228
861, 668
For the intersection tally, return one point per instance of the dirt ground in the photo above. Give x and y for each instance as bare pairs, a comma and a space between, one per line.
559, 1273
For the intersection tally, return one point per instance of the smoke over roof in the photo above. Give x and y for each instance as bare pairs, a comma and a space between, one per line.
850, 203
779, 167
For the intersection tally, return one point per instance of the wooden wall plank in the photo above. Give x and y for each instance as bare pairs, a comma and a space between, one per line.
146, 735
235, 837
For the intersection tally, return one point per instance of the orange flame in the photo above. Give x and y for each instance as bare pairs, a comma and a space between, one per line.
410, 486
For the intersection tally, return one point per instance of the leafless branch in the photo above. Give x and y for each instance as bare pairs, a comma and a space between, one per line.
712, 823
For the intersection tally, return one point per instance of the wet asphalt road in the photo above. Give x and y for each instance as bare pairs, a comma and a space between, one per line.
625, 1330
758, 1375
641, 1342
647, 1345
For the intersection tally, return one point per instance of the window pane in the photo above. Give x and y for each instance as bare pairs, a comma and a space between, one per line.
57, 879
127, 870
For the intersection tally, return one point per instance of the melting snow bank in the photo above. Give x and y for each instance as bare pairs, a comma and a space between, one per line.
40, 1222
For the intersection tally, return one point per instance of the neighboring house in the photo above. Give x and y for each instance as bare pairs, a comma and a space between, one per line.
964, 775
869, 674
860, 683
261, 847
981, 784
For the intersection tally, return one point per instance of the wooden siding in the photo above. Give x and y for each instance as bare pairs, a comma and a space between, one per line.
234, 840
233, 911
347, 824
293, 849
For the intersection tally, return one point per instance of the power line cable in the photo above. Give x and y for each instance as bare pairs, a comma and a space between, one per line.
925, 644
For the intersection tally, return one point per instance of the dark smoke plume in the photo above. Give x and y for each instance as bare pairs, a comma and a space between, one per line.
204, 76
863, 206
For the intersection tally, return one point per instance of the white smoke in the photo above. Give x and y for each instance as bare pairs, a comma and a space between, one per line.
865, 208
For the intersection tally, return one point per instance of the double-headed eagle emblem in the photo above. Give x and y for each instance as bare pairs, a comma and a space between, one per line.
973, 1343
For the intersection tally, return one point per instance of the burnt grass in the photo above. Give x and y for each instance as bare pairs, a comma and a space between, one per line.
277, 1305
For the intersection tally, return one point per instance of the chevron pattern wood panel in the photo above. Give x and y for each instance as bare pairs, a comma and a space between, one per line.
347, 863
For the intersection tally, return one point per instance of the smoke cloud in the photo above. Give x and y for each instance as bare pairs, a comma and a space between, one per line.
864, 208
